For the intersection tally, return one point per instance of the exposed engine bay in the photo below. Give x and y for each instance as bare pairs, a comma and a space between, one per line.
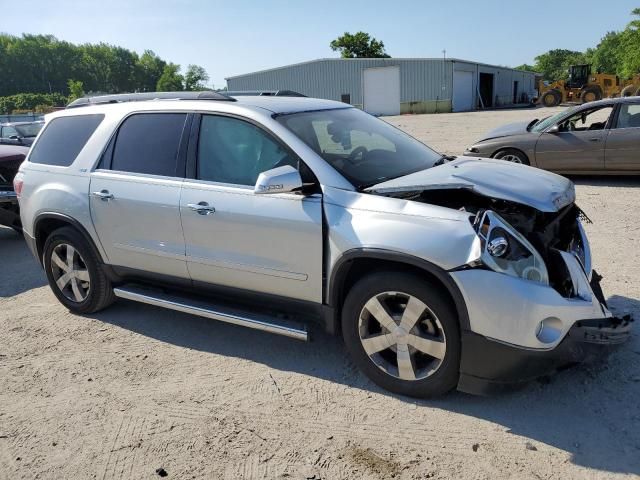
548, 234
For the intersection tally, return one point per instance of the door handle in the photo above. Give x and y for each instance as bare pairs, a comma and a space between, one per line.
594, 139
103, 195
202, 208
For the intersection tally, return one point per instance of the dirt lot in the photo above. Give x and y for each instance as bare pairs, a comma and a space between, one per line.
136, 388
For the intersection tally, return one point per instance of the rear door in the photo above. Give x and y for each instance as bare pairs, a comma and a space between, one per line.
270, 243
135, 194
622, 151
578, 146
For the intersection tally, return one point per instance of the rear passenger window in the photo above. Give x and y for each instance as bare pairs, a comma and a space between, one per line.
629, 116
63, 138
149, 143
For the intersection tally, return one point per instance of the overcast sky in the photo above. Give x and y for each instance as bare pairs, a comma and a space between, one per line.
240, 36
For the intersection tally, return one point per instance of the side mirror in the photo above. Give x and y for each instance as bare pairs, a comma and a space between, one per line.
555, 129
14, 137
285, 179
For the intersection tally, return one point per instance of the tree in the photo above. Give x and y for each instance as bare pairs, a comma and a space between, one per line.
607, 56
76, 89
554, 64
195, 78
358, 45
170, 80
526, 68
630, 47
148, 71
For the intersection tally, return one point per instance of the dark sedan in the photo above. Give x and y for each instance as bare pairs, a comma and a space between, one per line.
20, 133
11, 156
597, 137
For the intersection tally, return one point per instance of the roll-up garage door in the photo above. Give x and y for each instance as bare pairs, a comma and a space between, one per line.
462, 91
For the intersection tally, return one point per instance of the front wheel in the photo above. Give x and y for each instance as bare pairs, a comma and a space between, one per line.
74, 272
403, 333
512, 155
551, 98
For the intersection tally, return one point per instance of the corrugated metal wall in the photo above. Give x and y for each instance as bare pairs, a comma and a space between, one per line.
425, 84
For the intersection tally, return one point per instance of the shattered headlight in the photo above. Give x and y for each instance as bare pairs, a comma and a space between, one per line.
505, 250
579, 247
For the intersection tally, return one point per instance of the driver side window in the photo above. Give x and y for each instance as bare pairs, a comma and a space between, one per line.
595, 119
236, 152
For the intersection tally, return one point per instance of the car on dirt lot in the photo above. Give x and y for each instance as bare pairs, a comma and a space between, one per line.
20, 133
274, 212
598, 137
11, 156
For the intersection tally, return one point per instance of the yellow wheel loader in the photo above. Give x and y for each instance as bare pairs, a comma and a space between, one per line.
583, 86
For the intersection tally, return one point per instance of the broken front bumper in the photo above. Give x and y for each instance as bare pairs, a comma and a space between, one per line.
488, 366
490, 363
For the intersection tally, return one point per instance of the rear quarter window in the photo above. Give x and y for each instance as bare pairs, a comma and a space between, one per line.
63, 138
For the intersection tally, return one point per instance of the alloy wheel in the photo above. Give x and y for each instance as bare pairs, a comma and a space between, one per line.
402, 336
70, 272
511, 158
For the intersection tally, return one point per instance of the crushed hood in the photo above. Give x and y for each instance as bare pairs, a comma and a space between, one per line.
542, 190
507, 130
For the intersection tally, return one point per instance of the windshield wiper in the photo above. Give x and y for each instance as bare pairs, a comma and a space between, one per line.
532, 124
444, 159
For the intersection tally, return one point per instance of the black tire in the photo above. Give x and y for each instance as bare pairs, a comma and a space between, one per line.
445, 376
99, 294
590, 94
551, 98
508, 153
628, 91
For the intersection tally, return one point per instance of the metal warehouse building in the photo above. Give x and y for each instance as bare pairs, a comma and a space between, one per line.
390, 86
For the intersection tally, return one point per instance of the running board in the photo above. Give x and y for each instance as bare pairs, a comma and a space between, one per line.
196, 307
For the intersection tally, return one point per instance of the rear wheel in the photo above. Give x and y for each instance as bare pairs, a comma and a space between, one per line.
551, 98
512, 155
628, 91
74, 272
591, 94
403, 334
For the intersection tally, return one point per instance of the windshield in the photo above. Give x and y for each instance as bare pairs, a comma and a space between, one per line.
549, 121
29, 130
364, 149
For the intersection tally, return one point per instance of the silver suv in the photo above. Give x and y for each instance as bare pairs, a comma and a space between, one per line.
275, 212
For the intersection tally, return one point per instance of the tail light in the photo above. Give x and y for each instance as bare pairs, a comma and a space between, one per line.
18, 183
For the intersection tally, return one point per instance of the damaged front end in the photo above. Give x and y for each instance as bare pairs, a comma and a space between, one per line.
534, 302
521, 241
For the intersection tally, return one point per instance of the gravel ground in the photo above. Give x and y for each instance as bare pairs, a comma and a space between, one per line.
135, 388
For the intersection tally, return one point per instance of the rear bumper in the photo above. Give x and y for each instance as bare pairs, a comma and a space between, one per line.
488, 366
9, 209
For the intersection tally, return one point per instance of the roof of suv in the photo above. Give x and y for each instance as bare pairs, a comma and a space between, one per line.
202, 101
282, 105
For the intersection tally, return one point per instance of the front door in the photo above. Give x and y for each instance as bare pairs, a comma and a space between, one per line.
578, 145
269, 243
135, 195
623, 143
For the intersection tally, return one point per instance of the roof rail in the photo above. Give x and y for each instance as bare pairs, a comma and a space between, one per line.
146, 96
264, 93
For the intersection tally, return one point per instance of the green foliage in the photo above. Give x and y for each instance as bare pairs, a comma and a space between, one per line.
526, 68
76, 89
44, 64
554, 64
170, 80
29, 102
358, 45
617, 53
196, 78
